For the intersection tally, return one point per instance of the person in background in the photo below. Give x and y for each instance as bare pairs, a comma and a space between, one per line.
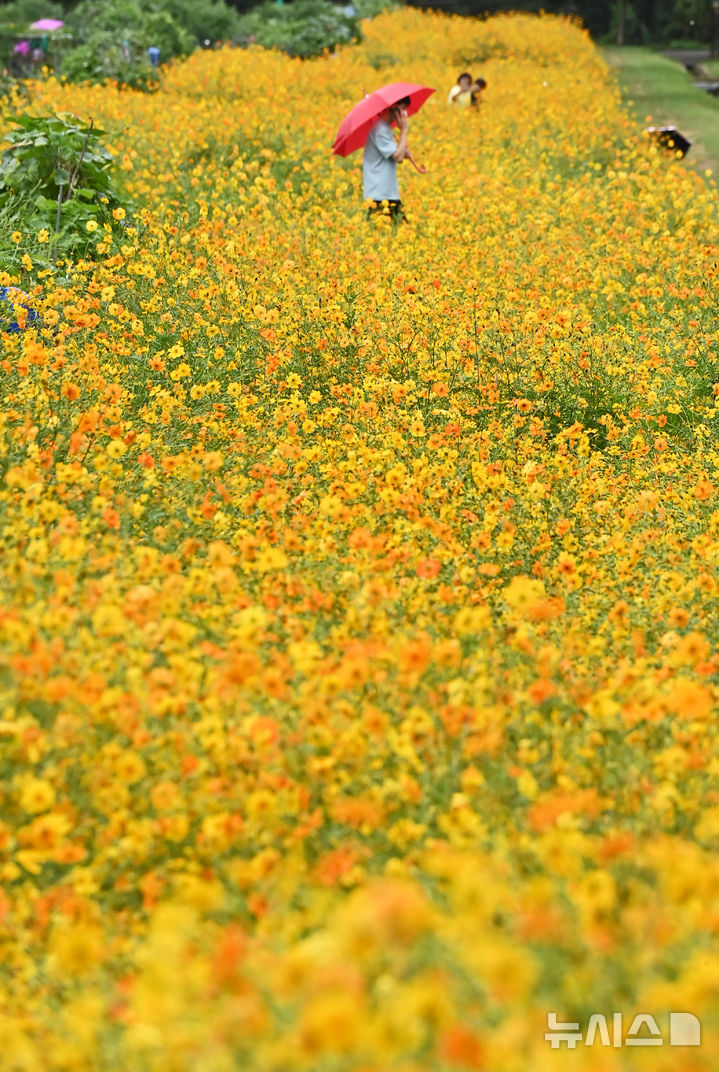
461, 93
21, 59
478, 87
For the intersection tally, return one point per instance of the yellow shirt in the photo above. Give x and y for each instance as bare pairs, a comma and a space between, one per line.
457, 95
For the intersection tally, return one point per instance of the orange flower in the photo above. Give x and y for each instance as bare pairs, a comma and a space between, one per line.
111, 518
428, 568
460, 1046
334, 865
545, 811
541, 690
357, 812
229, 954
703, 489
415, 656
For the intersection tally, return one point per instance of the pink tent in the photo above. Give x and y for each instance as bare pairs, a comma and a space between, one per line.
46, 24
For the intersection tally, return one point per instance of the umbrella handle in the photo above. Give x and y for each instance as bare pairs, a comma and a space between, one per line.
420, 168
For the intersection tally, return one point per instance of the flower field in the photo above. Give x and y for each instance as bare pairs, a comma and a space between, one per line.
359, 647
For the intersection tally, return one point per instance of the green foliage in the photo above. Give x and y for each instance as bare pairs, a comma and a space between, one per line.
646, 22
13, 90
152, 25
212, 20
15, 21
102, 58
368, 9
111, 42
23, 12
55, 178
304, 28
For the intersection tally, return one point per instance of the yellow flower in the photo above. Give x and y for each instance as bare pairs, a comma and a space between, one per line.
75, 948
36, 795
522, 591
331, 1023
130, 767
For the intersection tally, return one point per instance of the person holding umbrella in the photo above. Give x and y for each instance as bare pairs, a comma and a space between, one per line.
369, 124
381, 156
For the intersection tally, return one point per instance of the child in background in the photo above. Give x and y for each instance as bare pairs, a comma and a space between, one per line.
478, 86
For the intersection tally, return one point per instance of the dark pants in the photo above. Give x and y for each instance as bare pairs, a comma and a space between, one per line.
393, 209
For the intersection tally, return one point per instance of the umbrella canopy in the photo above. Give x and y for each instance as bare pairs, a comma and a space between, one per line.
356, 125
46, 24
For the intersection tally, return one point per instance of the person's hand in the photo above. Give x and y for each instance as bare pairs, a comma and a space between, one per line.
402, 120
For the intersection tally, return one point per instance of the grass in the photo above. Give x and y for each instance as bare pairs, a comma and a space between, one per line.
660, 88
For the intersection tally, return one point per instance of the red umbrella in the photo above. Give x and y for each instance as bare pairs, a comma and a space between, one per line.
355, 126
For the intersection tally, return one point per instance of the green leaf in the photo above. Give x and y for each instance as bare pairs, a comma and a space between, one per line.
42, 155
45, 203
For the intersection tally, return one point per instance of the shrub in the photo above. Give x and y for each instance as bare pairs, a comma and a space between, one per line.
55, 181
127, 19
369, 9
103, 59
22, 12
112, 39
212, 20
305, 28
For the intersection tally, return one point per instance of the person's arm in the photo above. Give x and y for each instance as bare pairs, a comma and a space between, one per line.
403, 123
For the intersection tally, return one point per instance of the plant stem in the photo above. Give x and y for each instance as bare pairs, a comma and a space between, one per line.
79, 163
57, 223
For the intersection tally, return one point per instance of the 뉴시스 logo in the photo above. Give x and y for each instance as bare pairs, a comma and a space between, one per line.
684, 1030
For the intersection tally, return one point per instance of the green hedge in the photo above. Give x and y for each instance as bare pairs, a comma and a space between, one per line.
303, 28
